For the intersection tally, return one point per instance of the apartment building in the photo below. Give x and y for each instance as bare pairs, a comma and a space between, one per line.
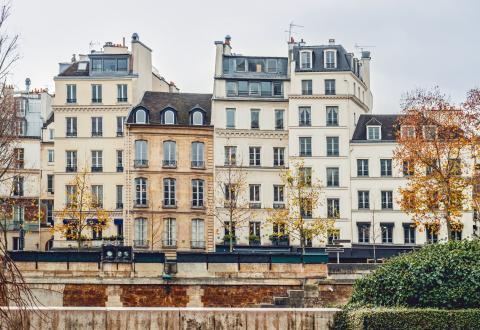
169, 173
250, 115
94, 94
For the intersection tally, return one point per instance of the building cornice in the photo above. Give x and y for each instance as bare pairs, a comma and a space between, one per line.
272, 134
250, 99
72, 108
351, 97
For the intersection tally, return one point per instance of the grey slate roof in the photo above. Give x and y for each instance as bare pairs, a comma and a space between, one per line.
388, 123
72, 71
344, 59
183, 103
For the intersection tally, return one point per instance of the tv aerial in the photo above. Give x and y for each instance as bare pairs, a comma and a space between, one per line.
291, 28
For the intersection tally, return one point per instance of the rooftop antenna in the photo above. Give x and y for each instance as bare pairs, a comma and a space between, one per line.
362, 47
92, 45
290, 29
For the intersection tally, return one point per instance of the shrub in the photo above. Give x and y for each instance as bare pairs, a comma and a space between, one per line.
411, 319
445, 275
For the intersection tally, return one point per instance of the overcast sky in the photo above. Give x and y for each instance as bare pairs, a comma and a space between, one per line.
417, 43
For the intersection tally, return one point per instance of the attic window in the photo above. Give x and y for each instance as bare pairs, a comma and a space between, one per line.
429, 132
305, 59
82, 66
374, 133
330, 59
140, 116
169, 117
197, 117
408, 131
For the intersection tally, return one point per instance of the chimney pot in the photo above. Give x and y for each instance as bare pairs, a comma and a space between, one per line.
135, 37
227, 39
331, 41
366, 54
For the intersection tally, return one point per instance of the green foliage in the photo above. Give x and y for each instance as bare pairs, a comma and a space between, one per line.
443, 275
411, 319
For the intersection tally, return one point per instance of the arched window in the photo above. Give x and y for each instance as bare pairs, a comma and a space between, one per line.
197, 118
169, 117
141, 116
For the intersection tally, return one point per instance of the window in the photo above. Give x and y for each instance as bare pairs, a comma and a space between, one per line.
254, 89
304, 116
408, 131
18, 213
278, 196
197, 193
332, 116
71, 123
277, 88
254, 118
363, 199
71, 161
243, 88
305, 146
332, 146
305, 175
230, 155
18, 185
305, 60
96, 233
272, 65
119, 160
109, 64
141, 192
122, 95
51, 134
387, 232
96, 93
70, 195
97, 196
232, 88
454, 166
49, 212
197, 118
387, 200
71, 93
19, 154
333, 234
168, 117
362, 167
456, 235
240, 65
429, 133
333, 208
254, 195
306, 207
278, 156
330, 87
254, 235
306, 87
141, 159
197, 155
432, 236
97, 161
140, 232
227, 233
140, 116
119, 194
230, 114
50, 183
385, 167
169, 193
373, 133
266, 88
198, 234
169, 154
333, 177
279, 117
230, 192
97, 127
120, 124
408, 233
408, 168
254, 156
330, 60
363, 232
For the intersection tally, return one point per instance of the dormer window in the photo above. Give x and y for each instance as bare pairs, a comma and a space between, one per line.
197, 117
330, 59
240, 65
429, 132
306, 59
168, 117
374, 133
141, 116
408, 131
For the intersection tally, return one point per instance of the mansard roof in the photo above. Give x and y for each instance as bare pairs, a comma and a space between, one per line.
182, 103
387, 123
73, 71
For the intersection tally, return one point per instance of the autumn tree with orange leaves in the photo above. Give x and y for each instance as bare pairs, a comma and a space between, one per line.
435, 148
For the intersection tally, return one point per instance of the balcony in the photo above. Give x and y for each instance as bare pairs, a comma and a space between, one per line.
197, 245
255, 205
19, 164
119, 133
71, 169
198, 204
71, 100
71, 133
168, 204
96, 100
122, 99
254, 242
169, 163
119, 168
140, 243
169, 243
119, 206
139, 163
278, 205
50, 191
97, 133
141, 203
280, 240
97, 168
198, 164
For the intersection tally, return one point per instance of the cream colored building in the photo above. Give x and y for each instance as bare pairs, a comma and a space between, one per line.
94, 93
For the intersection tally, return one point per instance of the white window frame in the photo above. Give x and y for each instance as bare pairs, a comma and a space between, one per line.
255, 156
97, 158
231, 157
51, 155
198, 193
140, 120
257, 193
310, 64
227, 111
325, 62
268, 67
406, 130
372, 128
278, 156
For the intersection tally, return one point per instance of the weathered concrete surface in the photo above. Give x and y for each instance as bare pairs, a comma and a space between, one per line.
181, 318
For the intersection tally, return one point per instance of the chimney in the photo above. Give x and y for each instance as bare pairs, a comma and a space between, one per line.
73, 58
365, 67
28, 82
227, 48
301, 43
331, 42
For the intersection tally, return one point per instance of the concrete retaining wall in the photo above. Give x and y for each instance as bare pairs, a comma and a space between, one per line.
182, 318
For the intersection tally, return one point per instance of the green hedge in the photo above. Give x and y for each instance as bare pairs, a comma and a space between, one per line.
411, 319
443, 275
